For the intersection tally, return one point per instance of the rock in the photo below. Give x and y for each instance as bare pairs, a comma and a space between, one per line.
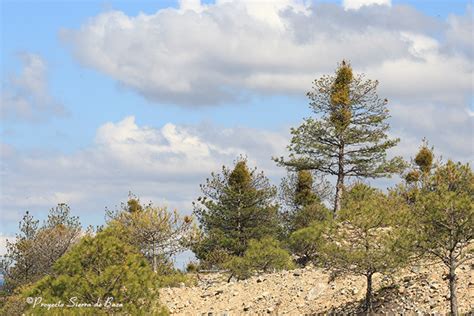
415, 269
260, 279
315, 291
182, 285
296, 274
219, 292
434, 286
247, 307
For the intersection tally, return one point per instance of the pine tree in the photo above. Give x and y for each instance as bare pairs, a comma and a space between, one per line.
156, 231
348, 136
368, 236
36, 249
421, 166
261, 256
304, 194
441, 198
96, 270
19, 263
302, 202
236, 206
307, 243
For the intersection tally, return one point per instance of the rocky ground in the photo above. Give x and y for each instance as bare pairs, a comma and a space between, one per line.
417, 290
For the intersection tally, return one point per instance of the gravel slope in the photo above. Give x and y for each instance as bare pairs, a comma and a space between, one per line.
418, 290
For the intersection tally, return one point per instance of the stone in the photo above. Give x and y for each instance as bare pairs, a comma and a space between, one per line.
434, 286
316, 291
247, 307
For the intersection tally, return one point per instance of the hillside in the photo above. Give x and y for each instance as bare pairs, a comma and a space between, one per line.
419, 289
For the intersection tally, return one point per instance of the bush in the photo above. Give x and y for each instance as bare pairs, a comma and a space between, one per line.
267, 254
215, 259
192, 267
262, 255
176, 279
97, 268
306, 243
239, 268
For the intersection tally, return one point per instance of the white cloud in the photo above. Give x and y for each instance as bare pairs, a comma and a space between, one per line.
193, 5
459, 33
207, 54
357, 4
216, 53
27, 95
164, 164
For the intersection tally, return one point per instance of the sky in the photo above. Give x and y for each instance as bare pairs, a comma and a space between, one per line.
99, 98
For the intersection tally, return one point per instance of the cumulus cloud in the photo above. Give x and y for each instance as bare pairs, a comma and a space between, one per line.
357, 4
215, 53
164, 164
208, 54
459, 33
26, 95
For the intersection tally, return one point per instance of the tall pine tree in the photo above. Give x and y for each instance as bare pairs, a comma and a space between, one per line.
235, 207
347, 137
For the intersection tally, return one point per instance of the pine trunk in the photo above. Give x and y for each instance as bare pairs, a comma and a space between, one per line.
368, 295
453, 301
340, 181
155, 259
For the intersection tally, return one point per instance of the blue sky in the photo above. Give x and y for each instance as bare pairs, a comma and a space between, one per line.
96, 106
33, 26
